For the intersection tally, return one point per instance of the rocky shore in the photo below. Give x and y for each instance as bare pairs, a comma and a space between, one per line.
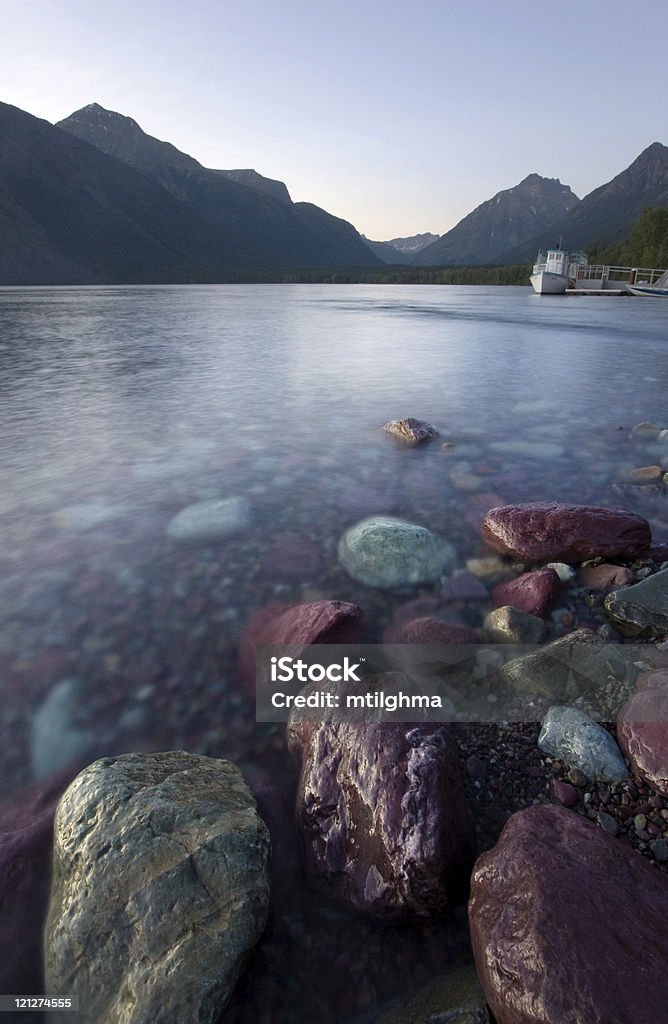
550, 825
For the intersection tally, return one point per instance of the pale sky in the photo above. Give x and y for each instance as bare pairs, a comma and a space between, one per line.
400, 117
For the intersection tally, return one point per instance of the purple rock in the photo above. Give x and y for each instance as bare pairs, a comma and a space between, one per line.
642, 733
545, 531
533, 592
555, 908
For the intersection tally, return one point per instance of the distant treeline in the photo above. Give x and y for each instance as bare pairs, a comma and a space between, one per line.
647, 246
389, 274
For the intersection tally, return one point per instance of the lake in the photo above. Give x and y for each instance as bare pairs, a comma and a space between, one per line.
124, 405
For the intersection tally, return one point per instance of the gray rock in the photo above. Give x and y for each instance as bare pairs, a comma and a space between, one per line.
582, 743
87, 515
160, 889
641, 609
207, 520
508, 625
386, 552
55, 738
452, 998
411, 431
574, 664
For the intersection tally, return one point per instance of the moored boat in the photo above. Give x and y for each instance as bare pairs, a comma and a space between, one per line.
656, 288
555, 271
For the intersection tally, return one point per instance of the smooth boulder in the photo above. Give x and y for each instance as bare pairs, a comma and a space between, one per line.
209, 520
382, 814
386, 552
642, 731
545, 531
569, 925
582, 743
315, 622
160, 888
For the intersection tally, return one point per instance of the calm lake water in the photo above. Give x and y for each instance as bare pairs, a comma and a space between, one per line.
122, 406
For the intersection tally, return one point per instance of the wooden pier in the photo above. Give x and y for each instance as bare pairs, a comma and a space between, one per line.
602, 279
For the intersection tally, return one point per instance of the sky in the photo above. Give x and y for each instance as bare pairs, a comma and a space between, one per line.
400, 117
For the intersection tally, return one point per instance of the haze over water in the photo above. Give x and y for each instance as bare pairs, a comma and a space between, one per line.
123, 405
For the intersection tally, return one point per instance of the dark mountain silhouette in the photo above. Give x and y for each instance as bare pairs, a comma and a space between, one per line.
609, 213
501, 223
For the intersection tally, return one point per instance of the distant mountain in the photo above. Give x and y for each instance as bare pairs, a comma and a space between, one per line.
414, 243
386, 252
609, 213
258, 225
501, 223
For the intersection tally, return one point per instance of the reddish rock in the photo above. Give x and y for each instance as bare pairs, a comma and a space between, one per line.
569, 925
651, 680
545, 531
605, 577
642, 733
26, 835
564, 793
429, 630
382, 813
532, 592
320, 622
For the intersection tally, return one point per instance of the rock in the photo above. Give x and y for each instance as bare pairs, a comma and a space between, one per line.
651, 680
582, 743
291, 557
605, 577
463, 586
533, 592
509, 625
382, 813
659, 849
160, 888
209, 520
385, 552
607, 823
87, 515
645, 432
571, 665
56, 739
319, 622
26, 839
642, 609
564, 793
452, 998
642, 731
646, 475
411, 431
555, 908
545, 531
428, 630
566, 573
490, 567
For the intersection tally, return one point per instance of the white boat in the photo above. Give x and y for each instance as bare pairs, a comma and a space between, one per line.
555, 271
658, 287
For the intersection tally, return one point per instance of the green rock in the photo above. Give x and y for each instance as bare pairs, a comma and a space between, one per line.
386, 552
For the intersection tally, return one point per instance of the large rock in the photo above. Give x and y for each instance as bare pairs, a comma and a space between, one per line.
642, 731
532, 592
26, 840
582, 743
385, 552
411, 431
545, 531
571, 665
209, 520
641, 610
382, 813
318, 622
160, 888
569, 925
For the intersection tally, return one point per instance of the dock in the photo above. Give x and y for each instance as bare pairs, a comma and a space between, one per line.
603, 279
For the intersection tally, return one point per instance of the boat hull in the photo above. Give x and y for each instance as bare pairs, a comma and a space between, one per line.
638, 289
545, 283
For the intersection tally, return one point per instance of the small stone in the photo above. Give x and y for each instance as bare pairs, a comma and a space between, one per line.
508, 625
566, 573
411, 431
564, 793
489, 567
645, 475
476, 768
660, 850
640, 822
209, 520
608, 823
575, 738
605, 577
532, 592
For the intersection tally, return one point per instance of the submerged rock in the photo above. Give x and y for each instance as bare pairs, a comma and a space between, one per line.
568, 924
208, 520
582, 743
642, 730
508, 625
573, 664
382, 813
160, 888
532, 592
642, 609
545, 531
318, 622
56, 739
411, 431
385, 552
